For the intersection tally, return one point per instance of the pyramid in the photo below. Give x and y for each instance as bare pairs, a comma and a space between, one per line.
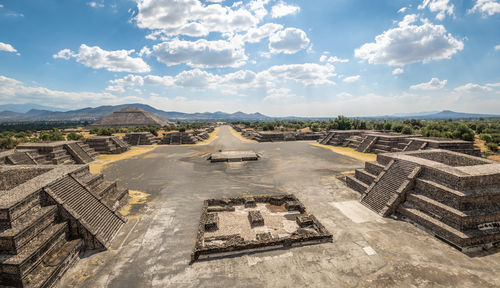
131, 117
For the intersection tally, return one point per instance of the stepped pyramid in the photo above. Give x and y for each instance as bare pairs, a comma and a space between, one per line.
131, 117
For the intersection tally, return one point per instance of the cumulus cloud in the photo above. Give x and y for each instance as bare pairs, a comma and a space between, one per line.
344, 95
255, 35
410, 43
433, 84
200, 53
486, 7
403, 10
397, 71
14, 91
332, 59
288, 41
307, 74
352, 79
193, 18
497, 47
95, 4
279, 94
8, 48
472, 88
282, 9
97, 58
442, 7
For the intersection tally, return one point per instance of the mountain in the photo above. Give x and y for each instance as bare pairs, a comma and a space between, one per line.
23, 108
448, 114
92, 114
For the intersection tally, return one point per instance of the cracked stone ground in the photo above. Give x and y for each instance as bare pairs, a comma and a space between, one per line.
154, 247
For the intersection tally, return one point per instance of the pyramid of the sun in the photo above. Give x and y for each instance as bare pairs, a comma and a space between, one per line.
131, 117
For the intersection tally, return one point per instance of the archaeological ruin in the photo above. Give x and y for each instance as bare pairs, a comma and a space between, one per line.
46, 153
108, 144
257, 223
131, 117
451, 195
140, 138
48, 215
233, 156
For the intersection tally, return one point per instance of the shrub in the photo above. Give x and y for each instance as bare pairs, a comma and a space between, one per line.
407, 130
388, 126
492, 146
398, 127
72, 136
486, 137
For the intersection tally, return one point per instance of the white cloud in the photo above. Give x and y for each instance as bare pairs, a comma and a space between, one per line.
493, 84
352, 79
279, 94
472, 88
442, 7
433, 84
95, 4
193, 18
332, 59
1, 5
16, 92
97, 58
486, 7
307, 74
255, 35
145, 51
403, 10
8, 48
410, 43
288, 41
397, 71
282, 9
344, 95
200, 53
497, 47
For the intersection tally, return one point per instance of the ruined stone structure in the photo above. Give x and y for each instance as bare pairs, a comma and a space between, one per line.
277, 136
48, 214
233, 156
140, 138
131, 117
383, 142
108, 144
243, 225
454, 196
46, 153
178, 138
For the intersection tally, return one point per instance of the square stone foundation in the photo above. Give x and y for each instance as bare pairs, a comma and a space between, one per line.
233, 156
275, 222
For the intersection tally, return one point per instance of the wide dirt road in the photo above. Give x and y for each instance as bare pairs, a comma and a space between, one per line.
153, 249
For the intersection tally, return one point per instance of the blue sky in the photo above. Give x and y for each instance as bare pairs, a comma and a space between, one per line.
303, 58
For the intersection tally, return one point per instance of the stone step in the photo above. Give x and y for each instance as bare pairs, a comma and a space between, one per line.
31, 254
462, 240
54, 265
382, 147
32, 223
364, 176
374, 167
356, 184
91, 180
461, 220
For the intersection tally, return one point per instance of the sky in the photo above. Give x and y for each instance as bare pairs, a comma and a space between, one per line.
318, 58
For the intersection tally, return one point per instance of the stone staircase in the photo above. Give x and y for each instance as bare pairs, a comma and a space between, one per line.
327, 138
388, 190
20, 158
179, 138
108, 144
80, 156
367, 143
140, 138
415, 145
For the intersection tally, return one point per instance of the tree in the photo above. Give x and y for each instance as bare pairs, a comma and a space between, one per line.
72, 136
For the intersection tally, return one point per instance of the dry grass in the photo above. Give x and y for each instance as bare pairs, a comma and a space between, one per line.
482, 145
239, 136
350, 152
105, 159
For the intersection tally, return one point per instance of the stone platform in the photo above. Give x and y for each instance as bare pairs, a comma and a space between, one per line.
233, 156
244, 225
48, 214
108, 144
454, 196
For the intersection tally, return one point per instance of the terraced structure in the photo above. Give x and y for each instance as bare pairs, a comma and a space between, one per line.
108, 144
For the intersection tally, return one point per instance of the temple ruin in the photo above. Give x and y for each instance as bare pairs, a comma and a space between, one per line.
46, 153
233, 156
140, 138
131, 117
451, 195
249, 224
48, 214
108, 144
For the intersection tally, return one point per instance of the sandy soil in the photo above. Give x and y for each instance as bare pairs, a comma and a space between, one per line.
347, 151
105, 159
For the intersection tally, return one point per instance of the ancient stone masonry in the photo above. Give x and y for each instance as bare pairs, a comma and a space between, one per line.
277, 136
140, 138
108, 144
249, 224
44, 153
48, 214
233, 156
132, 117
454, 196
383, 142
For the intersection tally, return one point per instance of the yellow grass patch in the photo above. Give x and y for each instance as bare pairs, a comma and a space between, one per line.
103, 160
239, 136
136, 198
347, 151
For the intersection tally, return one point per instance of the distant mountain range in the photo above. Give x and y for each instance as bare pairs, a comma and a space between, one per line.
34, 112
